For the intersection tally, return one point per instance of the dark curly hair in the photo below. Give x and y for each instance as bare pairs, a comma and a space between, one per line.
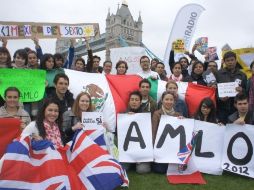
41, 116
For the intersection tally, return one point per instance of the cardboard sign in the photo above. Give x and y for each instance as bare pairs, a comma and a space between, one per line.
178, 46
135, 137
173, 134
238, 150
23, 30
227, 89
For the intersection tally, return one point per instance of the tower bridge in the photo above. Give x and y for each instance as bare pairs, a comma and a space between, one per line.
121, 30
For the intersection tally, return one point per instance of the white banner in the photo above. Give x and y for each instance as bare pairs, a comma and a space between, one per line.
92, 120
183, 28
172, 135
208, 147
97, 86
129, 54
135, 137
238, 150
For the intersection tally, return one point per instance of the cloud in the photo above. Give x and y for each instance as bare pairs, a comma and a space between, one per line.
227, 21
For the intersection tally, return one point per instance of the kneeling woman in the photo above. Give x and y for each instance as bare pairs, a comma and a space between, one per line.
48, 124
134, 106
167, 108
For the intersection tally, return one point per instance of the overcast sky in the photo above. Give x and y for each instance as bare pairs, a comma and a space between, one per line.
227, 21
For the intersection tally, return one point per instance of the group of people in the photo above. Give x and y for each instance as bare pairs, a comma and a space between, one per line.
58, 115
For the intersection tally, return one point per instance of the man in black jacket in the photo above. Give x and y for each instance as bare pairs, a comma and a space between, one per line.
243, 115
61, 92
229, 74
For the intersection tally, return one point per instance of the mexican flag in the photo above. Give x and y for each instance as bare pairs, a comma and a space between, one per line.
191, 93
109, 93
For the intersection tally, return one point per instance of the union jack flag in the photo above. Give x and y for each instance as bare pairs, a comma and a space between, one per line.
33, 165
185, 153
38, 165
95, 167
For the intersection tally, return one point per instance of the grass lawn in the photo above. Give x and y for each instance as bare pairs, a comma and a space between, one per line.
153, 181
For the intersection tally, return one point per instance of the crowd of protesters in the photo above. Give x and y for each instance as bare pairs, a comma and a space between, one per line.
58, 115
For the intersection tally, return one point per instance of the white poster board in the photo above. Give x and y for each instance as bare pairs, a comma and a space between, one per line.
129, 54
227, 89
210, 138
92, 120
238, 150
134, 133
171, 133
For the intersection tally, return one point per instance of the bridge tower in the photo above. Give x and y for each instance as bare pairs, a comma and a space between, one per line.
121, 30
122, 27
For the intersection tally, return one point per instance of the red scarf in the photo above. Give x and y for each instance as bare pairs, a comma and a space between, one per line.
53, 133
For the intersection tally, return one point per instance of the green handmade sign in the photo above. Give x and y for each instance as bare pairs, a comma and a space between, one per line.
31, 83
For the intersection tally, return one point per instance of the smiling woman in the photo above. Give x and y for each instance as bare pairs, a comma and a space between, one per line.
72, 118
48, 124
12, 108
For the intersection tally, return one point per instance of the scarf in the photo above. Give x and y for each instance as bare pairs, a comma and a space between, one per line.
177, 79
251, 93
53, 133
168, 112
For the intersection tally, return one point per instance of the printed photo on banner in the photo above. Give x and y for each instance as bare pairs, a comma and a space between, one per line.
227, 89
212, 54
202, 45
92, 120
238, 150
134, 134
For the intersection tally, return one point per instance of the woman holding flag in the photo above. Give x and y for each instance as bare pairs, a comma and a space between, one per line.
48, 124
